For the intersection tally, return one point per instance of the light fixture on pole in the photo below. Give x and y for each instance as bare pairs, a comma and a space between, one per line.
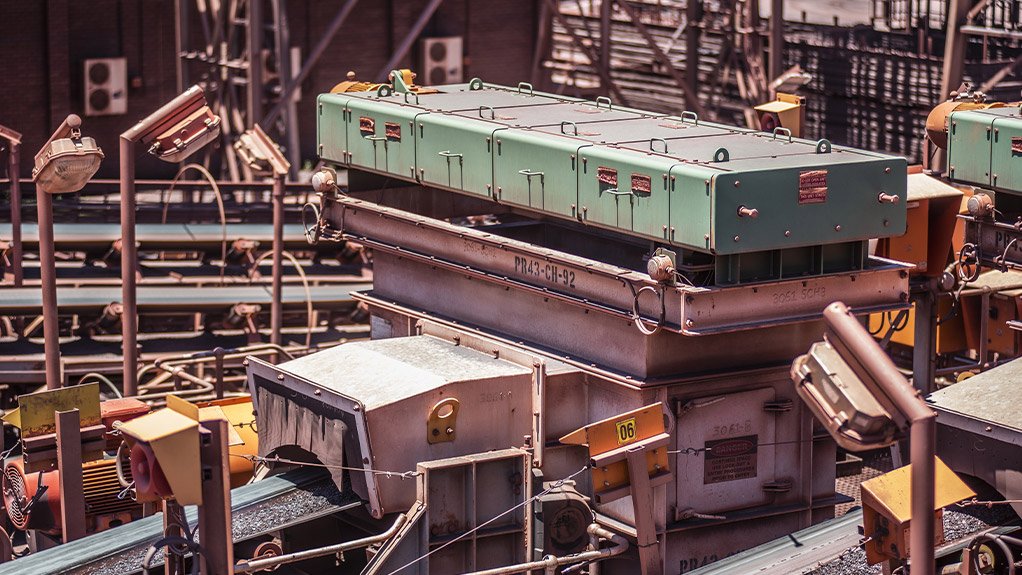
264, 158
172, 133
854, 389
64, 164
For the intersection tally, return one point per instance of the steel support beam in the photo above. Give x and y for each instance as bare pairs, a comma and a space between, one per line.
693, 33
691, 100
924, 350
606, 10
542, 43
69, 467
589, 52
16, 248
254, 85
215, 511
409, 39
954, 46
310, 63
776, 67
1000, 75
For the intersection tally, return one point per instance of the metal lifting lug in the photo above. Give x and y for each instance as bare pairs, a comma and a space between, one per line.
885, 198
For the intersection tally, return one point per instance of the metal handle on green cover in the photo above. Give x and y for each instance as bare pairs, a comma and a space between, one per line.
375, 138
530, 173
780, 130
525, 85
493, 115
606, 100
690, 115
411, 94
617, 192
661, 140
449, 154
572, 124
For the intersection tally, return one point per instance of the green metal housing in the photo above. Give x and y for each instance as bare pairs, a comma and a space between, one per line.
769, 202
985, 148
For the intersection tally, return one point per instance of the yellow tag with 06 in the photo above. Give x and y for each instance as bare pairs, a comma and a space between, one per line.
626, 431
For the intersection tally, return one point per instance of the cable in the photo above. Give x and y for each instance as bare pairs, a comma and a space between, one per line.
260, 459
102, 379
220, 205
555, 485
305, 286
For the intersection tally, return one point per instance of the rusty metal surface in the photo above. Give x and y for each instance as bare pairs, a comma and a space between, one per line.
602, 287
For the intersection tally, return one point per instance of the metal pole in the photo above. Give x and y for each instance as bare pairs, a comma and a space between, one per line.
923, 438
215, 511
129, 319
13, 172
48, 273
409, 39
852, 340
255, 62
69, 467
276, 319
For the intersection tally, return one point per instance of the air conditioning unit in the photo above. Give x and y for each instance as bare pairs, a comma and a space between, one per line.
442, 61
106, 86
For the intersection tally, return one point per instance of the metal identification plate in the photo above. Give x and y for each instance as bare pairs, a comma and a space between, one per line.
393, 131
812, 187
607, 176
366, 125
641, 184
730, 459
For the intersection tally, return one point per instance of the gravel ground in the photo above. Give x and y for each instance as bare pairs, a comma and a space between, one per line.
959, 524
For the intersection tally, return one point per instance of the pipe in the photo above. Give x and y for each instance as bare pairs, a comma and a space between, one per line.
16, 248
48, 273
276, 305
550, 563
218, 355
252, 565
129, 317
853, 341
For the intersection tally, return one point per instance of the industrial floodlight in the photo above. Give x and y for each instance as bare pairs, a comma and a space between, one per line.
67, 161
857, 392
178, 129
840, 381
839, 399
261, 154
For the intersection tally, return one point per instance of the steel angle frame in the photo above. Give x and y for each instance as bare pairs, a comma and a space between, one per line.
613, 290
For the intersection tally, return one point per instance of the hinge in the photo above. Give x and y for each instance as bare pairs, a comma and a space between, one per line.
778, 405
